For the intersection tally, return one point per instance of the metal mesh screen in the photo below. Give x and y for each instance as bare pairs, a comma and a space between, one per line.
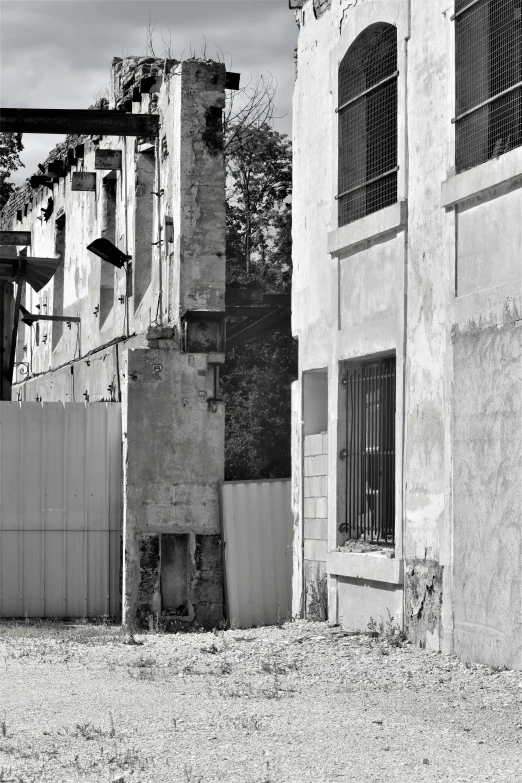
367, 174
488, 79
370, 452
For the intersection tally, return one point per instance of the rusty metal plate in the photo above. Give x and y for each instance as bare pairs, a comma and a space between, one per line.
15, 237
83, 180
107, 159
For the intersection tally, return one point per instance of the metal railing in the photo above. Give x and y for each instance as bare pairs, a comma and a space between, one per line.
370, 452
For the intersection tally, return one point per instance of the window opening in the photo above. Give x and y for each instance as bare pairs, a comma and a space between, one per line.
108, 231
144, 222
174, 574
58, 279
370, 452
367, 116
488, 73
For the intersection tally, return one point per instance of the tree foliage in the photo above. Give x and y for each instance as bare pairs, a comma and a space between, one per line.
10, 148
257, 375
259, 177
256, 389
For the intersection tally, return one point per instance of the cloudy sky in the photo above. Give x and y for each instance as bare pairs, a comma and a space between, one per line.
57, 53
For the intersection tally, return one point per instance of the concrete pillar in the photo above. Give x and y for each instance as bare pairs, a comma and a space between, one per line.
174, 440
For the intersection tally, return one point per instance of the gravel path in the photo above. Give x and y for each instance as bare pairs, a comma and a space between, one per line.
303, 702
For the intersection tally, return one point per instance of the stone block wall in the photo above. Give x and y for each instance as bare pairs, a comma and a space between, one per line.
315, 533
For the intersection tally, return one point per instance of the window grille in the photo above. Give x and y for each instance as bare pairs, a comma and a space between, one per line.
370, 452
367, 173
488, 64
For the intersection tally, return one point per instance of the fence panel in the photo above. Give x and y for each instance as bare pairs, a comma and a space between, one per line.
60, 509
258, 532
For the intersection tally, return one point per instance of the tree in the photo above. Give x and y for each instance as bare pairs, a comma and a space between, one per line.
256, 390
257, 375
259, 176
10, 148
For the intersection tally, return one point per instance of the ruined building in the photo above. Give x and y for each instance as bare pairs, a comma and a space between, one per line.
147, 314
407, 248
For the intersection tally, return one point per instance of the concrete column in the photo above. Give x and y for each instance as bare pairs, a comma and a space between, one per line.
174, 445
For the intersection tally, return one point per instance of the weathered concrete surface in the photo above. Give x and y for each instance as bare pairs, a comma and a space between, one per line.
403, 281
174, 443
359, 601
423, 601
487, 496
297, 501
174, 463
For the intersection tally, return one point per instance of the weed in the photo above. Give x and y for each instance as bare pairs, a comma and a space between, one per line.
145, 673
250, 723
156, 625
387, 630
143, 663
112, 732
129, 760
213, 649
225, 667
3, 726
189, 775
88, 731
273, 666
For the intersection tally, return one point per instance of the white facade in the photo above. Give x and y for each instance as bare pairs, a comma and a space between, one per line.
434, 281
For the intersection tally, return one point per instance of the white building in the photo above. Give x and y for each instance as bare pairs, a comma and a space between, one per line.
406, 302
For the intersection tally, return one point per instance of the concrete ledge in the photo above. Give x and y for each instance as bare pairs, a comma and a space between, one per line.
504, 170
369, 566
378, 223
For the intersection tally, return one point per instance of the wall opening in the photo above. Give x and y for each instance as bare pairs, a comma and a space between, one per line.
315, 492
144, 223
315, 401
58, 278
108, 231
174, 574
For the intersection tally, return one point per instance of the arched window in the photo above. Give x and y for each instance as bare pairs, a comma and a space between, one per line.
488, 76
367, 169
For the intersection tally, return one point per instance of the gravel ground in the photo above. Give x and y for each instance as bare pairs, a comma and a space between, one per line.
303, 702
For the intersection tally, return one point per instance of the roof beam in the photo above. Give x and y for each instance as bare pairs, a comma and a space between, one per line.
78, 121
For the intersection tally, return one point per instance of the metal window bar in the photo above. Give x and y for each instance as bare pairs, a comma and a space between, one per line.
488, 63
370, 453
367, 117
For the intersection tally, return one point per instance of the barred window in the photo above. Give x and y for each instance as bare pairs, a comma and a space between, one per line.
488, 71
367, 111
370, 451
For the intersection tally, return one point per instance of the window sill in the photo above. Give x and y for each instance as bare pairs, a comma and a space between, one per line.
369, 227
367, 566
481, 180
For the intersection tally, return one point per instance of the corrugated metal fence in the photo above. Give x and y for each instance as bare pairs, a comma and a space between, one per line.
258, 531
60, 509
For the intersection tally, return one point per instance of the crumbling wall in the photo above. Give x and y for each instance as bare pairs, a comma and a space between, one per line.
166, 211
174, 463
423, 602
181, 581
149, 596
321, 7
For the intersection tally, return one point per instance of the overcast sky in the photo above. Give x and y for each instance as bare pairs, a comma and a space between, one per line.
57, 53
